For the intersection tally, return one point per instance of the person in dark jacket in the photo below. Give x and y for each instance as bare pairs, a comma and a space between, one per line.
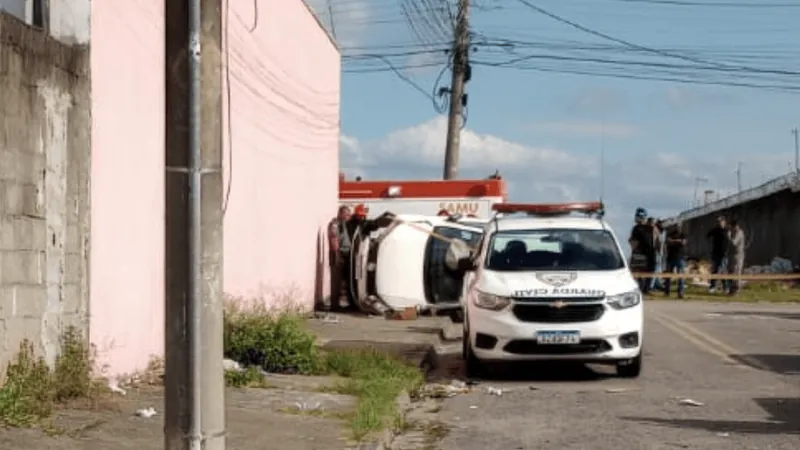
719, 246
340, 242
643, 255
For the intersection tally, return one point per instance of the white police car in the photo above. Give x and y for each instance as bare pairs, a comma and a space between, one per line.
544, 284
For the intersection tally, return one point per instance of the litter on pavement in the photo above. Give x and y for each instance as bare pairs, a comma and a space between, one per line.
494, 391
437, 390
690, 402
146, 412
113, 386
303, 406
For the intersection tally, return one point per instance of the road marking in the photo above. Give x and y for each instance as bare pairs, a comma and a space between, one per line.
699, 343
709, 343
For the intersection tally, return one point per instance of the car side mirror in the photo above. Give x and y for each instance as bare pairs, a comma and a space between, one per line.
467, 264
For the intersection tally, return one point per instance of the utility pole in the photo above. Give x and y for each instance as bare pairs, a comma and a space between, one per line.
194, 385
461, 74
796, 134
739, 177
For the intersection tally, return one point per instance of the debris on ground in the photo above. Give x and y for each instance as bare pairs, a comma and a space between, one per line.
146, 412
690, 402
410, 313
777, 265
113, 386
231, 365
491, 390
438, 390
304, 406
327, 317
620, 390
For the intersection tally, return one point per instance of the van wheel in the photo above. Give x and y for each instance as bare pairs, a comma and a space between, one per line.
631, 368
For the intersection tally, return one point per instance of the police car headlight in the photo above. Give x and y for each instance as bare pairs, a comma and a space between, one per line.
626, 300
490, 301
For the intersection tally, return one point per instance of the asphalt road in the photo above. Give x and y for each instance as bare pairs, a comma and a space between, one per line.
740, 362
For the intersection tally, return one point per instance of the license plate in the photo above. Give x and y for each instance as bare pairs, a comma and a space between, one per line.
558, 337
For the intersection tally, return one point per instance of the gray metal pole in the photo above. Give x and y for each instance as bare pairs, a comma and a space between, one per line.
194, 383
460, 61
796, 133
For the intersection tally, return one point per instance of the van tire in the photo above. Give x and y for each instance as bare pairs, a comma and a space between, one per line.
631, 368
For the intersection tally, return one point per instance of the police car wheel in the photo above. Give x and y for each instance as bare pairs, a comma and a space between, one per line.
631, 368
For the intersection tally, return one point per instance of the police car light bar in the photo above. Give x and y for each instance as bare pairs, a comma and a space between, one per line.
549, 208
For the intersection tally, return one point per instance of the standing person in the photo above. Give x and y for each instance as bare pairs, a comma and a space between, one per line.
719, 246
358, 227
642, 242
676, 259
340, 242
735, 254
658, 228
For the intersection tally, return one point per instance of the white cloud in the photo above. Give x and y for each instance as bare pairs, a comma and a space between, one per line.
346, 22
664, 183
587, 128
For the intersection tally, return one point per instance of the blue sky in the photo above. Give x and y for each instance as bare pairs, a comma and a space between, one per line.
544, 131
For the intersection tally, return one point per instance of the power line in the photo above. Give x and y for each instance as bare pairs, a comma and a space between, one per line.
665, 78
626, 43
756, 4
402, 76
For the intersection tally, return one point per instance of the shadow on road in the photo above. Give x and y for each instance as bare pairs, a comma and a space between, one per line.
450, 366
784, 419
783, 364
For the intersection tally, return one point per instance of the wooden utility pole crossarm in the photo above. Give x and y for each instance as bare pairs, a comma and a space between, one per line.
460, 69
194, 383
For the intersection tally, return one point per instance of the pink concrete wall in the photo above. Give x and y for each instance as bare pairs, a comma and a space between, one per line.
285, 87
285, 77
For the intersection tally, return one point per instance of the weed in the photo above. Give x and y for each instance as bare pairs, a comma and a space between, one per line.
32, 389
376, 379
250, 377
28, 393
72, 374
279, 342
275, 342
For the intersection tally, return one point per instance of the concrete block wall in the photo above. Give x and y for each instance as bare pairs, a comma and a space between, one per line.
771, 225
45, 142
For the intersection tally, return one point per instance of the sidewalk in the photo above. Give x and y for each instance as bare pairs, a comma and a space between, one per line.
266, 419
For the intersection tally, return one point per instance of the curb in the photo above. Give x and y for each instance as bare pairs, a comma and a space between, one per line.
451, 332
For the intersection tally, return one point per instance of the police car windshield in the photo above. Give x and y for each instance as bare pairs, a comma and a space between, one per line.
553, 249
